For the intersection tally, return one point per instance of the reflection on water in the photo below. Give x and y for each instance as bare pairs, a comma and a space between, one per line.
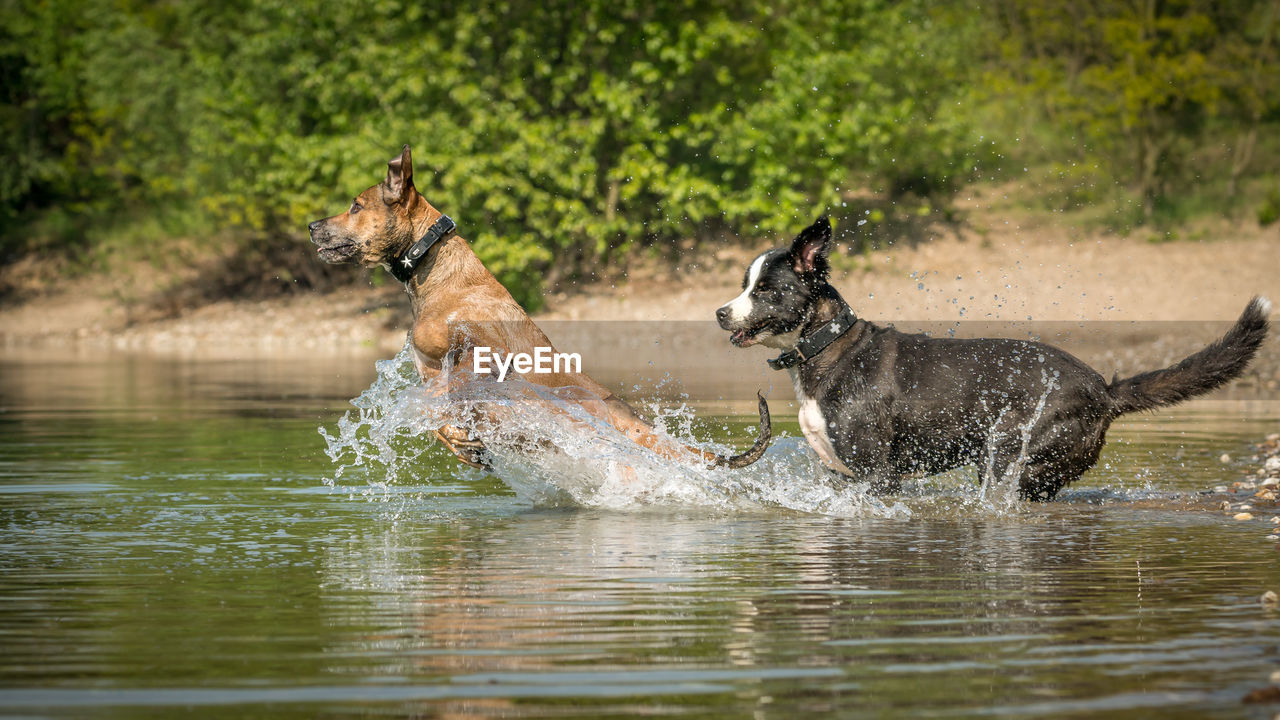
167, 542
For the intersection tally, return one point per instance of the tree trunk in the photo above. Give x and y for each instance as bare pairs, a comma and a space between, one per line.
1241, 155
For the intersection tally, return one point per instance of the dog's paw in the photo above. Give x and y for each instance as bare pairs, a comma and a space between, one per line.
476, 455
468, 451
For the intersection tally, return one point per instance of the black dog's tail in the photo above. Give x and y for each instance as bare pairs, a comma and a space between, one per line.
1197, 374
758, 447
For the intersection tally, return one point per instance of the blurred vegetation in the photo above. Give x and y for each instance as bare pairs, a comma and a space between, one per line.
566, 136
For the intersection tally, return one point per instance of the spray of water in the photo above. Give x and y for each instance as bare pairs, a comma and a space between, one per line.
551, 451
999, 490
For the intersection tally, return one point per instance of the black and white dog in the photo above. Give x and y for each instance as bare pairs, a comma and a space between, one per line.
877, 404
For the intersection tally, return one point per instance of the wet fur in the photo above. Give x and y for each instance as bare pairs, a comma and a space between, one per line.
878, 404
458, 305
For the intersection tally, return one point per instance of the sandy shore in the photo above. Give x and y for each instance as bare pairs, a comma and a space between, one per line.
1003, 274
1043, 275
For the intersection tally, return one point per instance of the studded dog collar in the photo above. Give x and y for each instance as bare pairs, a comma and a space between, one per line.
809, 346
404, 264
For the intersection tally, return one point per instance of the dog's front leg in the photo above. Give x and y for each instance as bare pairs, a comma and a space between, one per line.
466, 449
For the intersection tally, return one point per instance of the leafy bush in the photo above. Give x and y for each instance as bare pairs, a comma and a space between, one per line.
565, 130
565, 135
1269, 211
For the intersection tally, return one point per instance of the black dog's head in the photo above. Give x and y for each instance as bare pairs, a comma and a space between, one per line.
377, 225
779, 291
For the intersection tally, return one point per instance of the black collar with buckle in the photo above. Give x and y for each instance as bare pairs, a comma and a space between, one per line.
809, 346
403, 265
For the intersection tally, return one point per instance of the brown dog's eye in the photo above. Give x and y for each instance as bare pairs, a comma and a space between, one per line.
355, 208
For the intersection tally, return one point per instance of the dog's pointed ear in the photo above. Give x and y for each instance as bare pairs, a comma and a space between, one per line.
809, 249
399, 182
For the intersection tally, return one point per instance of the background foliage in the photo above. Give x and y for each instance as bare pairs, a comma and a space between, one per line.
584, 131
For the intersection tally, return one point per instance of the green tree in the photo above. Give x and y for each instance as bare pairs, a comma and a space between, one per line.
565, 136
1138, 82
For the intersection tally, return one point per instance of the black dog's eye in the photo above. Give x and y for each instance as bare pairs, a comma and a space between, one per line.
355, 208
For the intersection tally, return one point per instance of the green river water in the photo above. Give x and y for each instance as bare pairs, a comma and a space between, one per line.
169, 546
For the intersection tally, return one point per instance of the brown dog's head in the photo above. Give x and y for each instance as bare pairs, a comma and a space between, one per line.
379, 223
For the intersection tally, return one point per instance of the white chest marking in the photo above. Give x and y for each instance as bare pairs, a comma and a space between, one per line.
815, 428
740, 307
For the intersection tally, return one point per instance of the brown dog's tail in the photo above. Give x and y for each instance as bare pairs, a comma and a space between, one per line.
757, 448
1197, 374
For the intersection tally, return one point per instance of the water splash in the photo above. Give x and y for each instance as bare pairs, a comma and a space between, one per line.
547, 447
377, 433
999, 489
551, 451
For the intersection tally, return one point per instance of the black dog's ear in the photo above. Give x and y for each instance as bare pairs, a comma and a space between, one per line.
399, 178
809, 249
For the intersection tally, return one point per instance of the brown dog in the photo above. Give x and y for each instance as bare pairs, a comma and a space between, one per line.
459, 305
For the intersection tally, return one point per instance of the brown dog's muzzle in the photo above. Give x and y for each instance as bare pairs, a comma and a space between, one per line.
330, 250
